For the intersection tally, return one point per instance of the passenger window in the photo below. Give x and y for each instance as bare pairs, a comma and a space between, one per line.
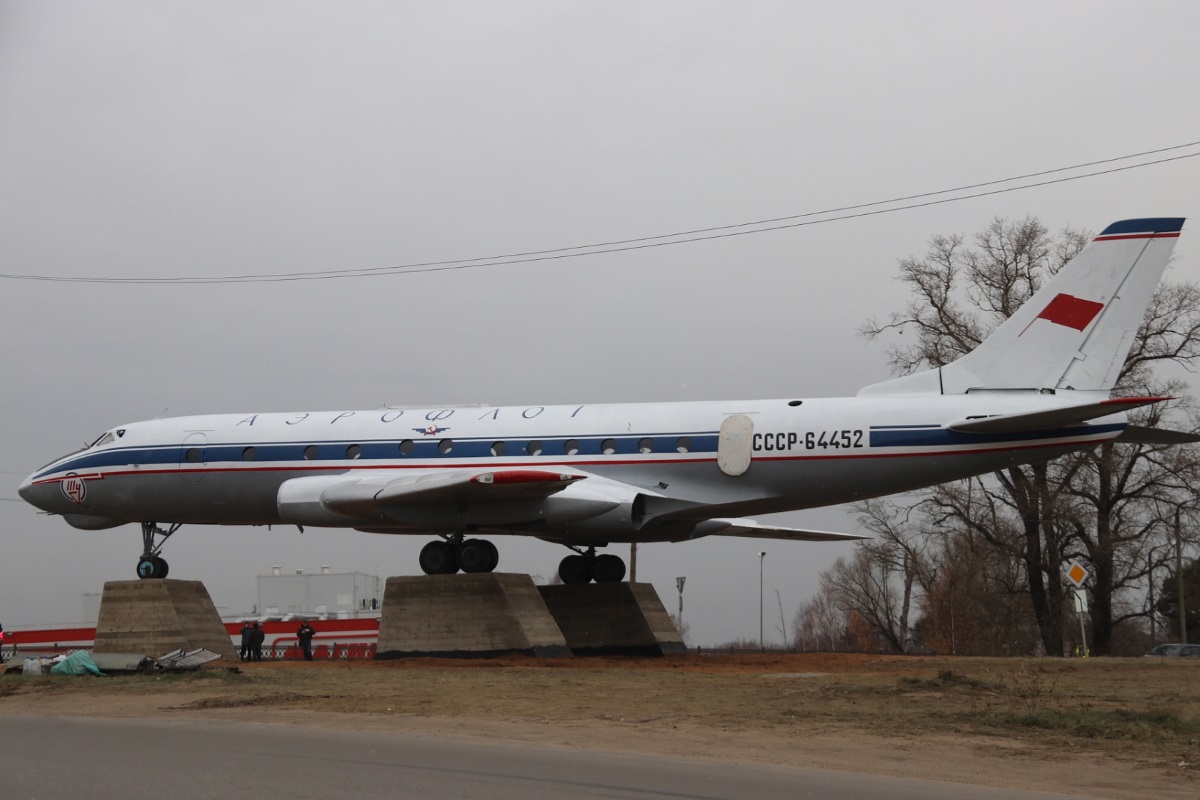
445, 446
683, 444
534, 448
193, 455
353, 451
310, 452
249, 454
646, 445
406, 447
499, 448
608, 446
571, 447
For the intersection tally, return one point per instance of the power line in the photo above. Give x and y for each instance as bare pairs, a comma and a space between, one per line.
663, 240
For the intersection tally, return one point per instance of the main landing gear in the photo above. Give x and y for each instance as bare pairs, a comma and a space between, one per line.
151, 564
584, 567
454, 554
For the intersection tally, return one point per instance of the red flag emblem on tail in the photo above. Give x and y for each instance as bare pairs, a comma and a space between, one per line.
1073, 312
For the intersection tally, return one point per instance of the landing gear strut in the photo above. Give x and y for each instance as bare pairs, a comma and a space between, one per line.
585, 567
151, 564
449, 556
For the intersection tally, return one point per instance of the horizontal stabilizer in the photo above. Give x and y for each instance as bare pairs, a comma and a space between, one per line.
1052, 418
1140, 434
752, 529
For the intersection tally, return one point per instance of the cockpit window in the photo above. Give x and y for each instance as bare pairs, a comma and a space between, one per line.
105, 439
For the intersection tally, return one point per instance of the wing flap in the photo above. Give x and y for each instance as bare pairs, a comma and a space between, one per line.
1052, 418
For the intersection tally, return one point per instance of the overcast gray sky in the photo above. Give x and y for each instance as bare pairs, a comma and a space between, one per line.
154, 139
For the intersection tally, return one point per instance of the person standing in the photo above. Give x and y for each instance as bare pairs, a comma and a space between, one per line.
305, 635
258, 635
3, 641
247, 638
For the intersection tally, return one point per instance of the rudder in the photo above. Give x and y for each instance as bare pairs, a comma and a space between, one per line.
1076, 331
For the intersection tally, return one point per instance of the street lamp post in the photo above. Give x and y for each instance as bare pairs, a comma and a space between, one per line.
761, 555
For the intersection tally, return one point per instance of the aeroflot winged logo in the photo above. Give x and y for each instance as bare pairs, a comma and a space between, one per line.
1069, 311
432, 430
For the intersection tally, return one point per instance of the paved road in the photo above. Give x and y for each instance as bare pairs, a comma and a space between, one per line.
55, 757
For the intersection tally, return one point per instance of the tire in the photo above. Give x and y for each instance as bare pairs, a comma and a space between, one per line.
493, 555
151, 568
608, 568
575, 569
474, 556
437, 558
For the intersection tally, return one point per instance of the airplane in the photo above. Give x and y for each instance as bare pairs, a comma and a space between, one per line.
586, 476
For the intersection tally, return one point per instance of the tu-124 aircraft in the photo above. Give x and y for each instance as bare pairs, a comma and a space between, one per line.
586, 476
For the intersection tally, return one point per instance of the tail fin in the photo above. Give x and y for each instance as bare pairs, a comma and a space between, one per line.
1076, 331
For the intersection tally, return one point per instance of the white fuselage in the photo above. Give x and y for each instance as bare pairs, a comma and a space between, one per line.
229, 469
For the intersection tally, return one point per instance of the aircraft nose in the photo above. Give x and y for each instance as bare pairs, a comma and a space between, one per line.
26, 490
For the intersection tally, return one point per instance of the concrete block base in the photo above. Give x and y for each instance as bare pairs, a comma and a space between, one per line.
155, 617
466, 616
613, 619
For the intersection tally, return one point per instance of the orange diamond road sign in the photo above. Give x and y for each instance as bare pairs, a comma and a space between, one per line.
1077, 574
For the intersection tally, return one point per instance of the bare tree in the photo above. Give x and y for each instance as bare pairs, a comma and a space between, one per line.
1095, 504
865, 586
782, 626
819, 624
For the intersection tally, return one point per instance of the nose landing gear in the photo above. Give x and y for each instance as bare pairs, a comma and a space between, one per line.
151, 564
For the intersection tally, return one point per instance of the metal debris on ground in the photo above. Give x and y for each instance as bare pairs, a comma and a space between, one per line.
186, 659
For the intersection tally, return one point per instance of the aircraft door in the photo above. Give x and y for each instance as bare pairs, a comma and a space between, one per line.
192, 458
733, 444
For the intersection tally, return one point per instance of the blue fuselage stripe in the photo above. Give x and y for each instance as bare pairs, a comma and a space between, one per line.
388, 451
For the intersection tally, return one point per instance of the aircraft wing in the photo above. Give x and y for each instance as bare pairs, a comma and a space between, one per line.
753, 529
1052, 418
359, 495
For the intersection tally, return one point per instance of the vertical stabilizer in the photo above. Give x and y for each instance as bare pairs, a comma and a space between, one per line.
1076, 331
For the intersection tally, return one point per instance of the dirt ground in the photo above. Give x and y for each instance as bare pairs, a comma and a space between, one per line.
1110, 728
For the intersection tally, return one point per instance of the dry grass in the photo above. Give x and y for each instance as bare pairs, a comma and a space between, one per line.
1141, 709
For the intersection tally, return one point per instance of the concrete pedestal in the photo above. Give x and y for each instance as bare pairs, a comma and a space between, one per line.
613, 619
466, 616
155, 617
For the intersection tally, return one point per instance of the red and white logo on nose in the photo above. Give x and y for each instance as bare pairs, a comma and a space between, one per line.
74, 488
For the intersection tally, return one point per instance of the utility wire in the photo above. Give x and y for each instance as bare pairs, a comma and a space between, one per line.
661, 240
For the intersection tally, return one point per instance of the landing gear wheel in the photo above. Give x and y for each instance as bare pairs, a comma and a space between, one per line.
151, 567
438, 558
575, 569
474, 555
608, 568
493, 555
